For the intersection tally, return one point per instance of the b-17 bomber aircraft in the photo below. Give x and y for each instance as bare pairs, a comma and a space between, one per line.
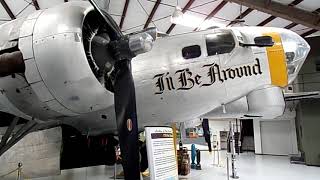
71, 64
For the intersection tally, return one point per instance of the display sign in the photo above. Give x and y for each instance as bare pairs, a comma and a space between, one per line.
161, 153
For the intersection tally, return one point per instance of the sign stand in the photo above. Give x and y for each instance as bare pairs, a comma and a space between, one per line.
162, 158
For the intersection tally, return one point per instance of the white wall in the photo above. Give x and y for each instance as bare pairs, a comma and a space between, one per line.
39, 153
292, 147
275, 137
220, 125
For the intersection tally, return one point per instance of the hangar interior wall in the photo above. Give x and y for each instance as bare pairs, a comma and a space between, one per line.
308, 114
304, 128
276, 136
309, 75
308, 120
219, 125
39, 153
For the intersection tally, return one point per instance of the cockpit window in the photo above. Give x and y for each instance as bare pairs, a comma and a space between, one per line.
191, 52
219, 43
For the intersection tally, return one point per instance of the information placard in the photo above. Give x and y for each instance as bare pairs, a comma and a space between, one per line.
161, 153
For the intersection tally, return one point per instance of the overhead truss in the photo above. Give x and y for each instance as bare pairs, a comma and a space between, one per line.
8, 10
242, 15
290, 13
317, 11
124, 13
36, 4
154, 9
215, 11
271, 18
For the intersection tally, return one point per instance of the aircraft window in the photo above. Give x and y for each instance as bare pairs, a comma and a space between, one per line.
190, 52
219, 43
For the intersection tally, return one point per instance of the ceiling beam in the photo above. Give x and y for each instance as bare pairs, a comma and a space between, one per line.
290, 13
291, 25
154, 9
6, 7
241, 16
185, 8
309, 32
271, 18
214, 12
36, 4
124, 13
295, 2
266, 21
317, 11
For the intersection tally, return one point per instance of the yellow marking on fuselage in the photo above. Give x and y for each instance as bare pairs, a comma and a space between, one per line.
277, 61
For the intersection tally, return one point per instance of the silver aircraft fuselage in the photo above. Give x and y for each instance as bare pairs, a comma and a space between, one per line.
59, 85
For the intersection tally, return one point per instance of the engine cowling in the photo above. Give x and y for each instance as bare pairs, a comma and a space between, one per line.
67, 65
58, 80
267, 103
58, 68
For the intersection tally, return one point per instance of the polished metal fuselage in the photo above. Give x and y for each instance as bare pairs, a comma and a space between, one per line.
59, 85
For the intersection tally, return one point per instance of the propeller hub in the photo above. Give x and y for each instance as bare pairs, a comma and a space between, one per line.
129, 46
140, 43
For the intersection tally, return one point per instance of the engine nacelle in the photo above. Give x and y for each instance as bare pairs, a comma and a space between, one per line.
267, 103
59, 79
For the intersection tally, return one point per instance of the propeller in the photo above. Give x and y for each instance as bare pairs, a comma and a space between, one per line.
125, 106
123, 49
107, 18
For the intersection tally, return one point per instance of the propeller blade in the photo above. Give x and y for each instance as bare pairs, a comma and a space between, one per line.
108, 19
126, 115
123, 49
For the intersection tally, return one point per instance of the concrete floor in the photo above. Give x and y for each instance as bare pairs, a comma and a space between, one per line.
249, 167
252, 167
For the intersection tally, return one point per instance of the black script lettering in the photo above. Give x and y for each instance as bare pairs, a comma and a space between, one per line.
159, 83
225, 74
214, 70
232, 73
257, 67
239, 72
186, 82
170, 83
197, 79
247, 70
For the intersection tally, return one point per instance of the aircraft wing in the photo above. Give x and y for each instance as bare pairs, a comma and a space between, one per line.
301, 95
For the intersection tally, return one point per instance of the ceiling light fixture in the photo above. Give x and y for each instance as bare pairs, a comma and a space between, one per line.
177, 16
190, 20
